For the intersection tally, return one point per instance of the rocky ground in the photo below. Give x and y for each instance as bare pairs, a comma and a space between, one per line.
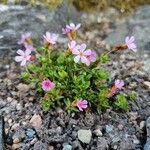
27, 127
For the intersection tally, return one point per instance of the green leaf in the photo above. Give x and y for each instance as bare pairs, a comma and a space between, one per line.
46, 105
104, 58
61, 58
121, 102
104, 103
25, 76
31, 67
41, 49
63, 74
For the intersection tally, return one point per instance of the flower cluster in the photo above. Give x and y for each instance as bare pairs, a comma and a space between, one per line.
73, 78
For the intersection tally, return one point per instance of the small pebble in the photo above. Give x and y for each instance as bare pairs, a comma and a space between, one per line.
85, 136
142, 124
51, 148
31, 99
16, 146
36, 121
30, 133
147, 84
109, 128
67, 147
9, 121
19, 107
16, 140
15, 126
120, 126
34, 141
9, 99
97, 132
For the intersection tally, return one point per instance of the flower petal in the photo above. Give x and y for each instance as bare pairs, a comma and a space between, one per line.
18, 58
127, 39
27, 52
72, 25
84, 102
132, 45
48, 35
80, 109
82, 47
23, 63
76, 59
84, 106
131, 39
20, 52
87, 52
76, 50
77, 26
85, 60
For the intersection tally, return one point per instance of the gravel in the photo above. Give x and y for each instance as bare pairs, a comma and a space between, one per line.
58, 130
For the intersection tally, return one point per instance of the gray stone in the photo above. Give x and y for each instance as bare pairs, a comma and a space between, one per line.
102, 144
15, 20
109, 128
147, 84
147, 145
19, 134
40, 146
126, 144
67, 147
30, 133
1, 133
23, 87
85, 136
97, 132
2, 103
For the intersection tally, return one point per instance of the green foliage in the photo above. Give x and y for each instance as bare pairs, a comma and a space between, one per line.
25, 76
73, 81
45, 105
104, 58
121, 102
133, 96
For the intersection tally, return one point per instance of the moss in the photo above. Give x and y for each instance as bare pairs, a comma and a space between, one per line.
124, 6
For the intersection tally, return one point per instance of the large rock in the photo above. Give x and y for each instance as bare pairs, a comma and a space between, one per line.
15, 20
1, 133
137, 25
147, 145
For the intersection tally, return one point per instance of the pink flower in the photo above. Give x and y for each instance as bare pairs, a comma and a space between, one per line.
47, 85
65, 30
72, 45
119, 84
82, 104
92, 57
70, 28
50, 38
73, 27
24, 56
30, 47
82, 54
130, 43
24, 38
